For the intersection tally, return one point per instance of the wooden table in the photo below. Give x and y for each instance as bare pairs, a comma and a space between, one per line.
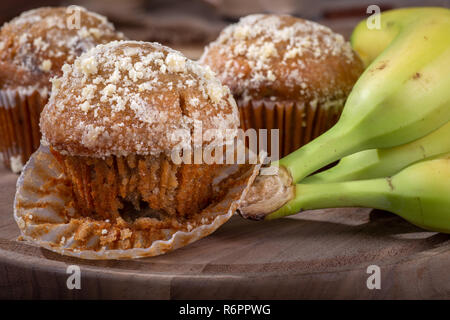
316, 254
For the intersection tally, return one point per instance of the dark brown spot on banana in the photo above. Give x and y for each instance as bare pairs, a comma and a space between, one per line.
389, 181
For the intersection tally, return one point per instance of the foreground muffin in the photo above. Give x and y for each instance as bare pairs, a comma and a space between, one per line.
112, 124
114, 119
285, 73
33, 48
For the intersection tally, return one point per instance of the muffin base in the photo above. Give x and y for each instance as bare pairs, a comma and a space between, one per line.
45, 213
103, 187
19, 125
298, 122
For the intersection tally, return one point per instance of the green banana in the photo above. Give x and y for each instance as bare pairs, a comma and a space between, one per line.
402, 96
378, 163
370, 43
419, 194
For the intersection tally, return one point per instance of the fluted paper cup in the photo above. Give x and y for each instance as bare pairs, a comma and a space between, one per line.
46, 216
298, 122
19, 124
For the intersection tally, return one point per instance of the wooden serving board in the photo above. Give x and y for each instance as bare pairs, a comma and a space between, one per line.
315, 254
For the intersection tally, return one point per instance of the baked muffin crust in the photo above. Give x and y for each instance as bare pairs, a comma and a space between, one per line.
35, 45
130, 97
280, 57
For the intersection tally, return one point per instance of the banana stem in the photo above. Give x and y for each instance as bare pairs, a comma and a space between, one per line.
325, 149
365, 193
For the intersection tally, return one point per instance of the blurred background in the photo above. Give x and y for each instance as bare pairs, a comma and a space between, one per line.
188, 25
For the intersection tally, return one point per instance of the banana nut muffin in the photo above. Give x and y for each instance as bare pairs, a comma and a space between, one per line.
285, 73
33, 48
115, 117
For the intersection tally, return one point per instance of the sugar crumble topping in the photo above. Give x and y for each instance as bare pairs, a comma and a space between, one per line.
175, 62
268, 49
134, 97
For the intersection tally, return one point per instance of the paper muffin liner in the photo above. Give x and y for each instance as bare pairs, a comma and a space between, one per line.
104, 185
298, 122
19, 124
45, 213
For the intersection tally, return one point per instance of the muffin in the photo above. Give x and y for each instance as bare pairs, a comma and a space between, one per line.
33, 48
285, 73
113, 121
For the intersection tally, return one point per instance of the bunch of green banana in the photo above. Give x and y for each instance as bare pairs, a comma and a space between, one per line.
420, 194
402, 96
378, 163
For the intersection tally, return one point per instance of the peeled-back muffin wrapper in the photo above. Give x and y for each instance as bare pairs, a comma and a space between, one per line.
43, 211
19, 124
298, 122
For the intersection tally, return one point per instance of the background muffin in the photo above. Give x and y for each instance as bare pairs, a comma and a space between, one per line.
285, 73
115, 117
33, 48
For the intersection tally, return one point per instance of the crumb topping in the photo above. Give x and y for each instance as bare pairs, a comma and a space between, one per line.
40, 41
134, 97
273, 54
46, 65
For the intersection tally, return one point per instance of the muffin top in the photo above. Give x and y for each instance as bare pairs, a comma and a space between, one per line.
35, 45
280, 57
130, 97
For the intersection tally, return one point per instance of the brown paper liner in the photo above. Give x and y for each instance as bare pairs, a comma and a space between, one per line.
103, 186
298, 122
45, 213
19, 126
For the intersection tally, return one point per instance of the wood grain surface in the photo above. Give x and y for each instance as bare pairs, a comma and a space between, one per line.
316, 254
